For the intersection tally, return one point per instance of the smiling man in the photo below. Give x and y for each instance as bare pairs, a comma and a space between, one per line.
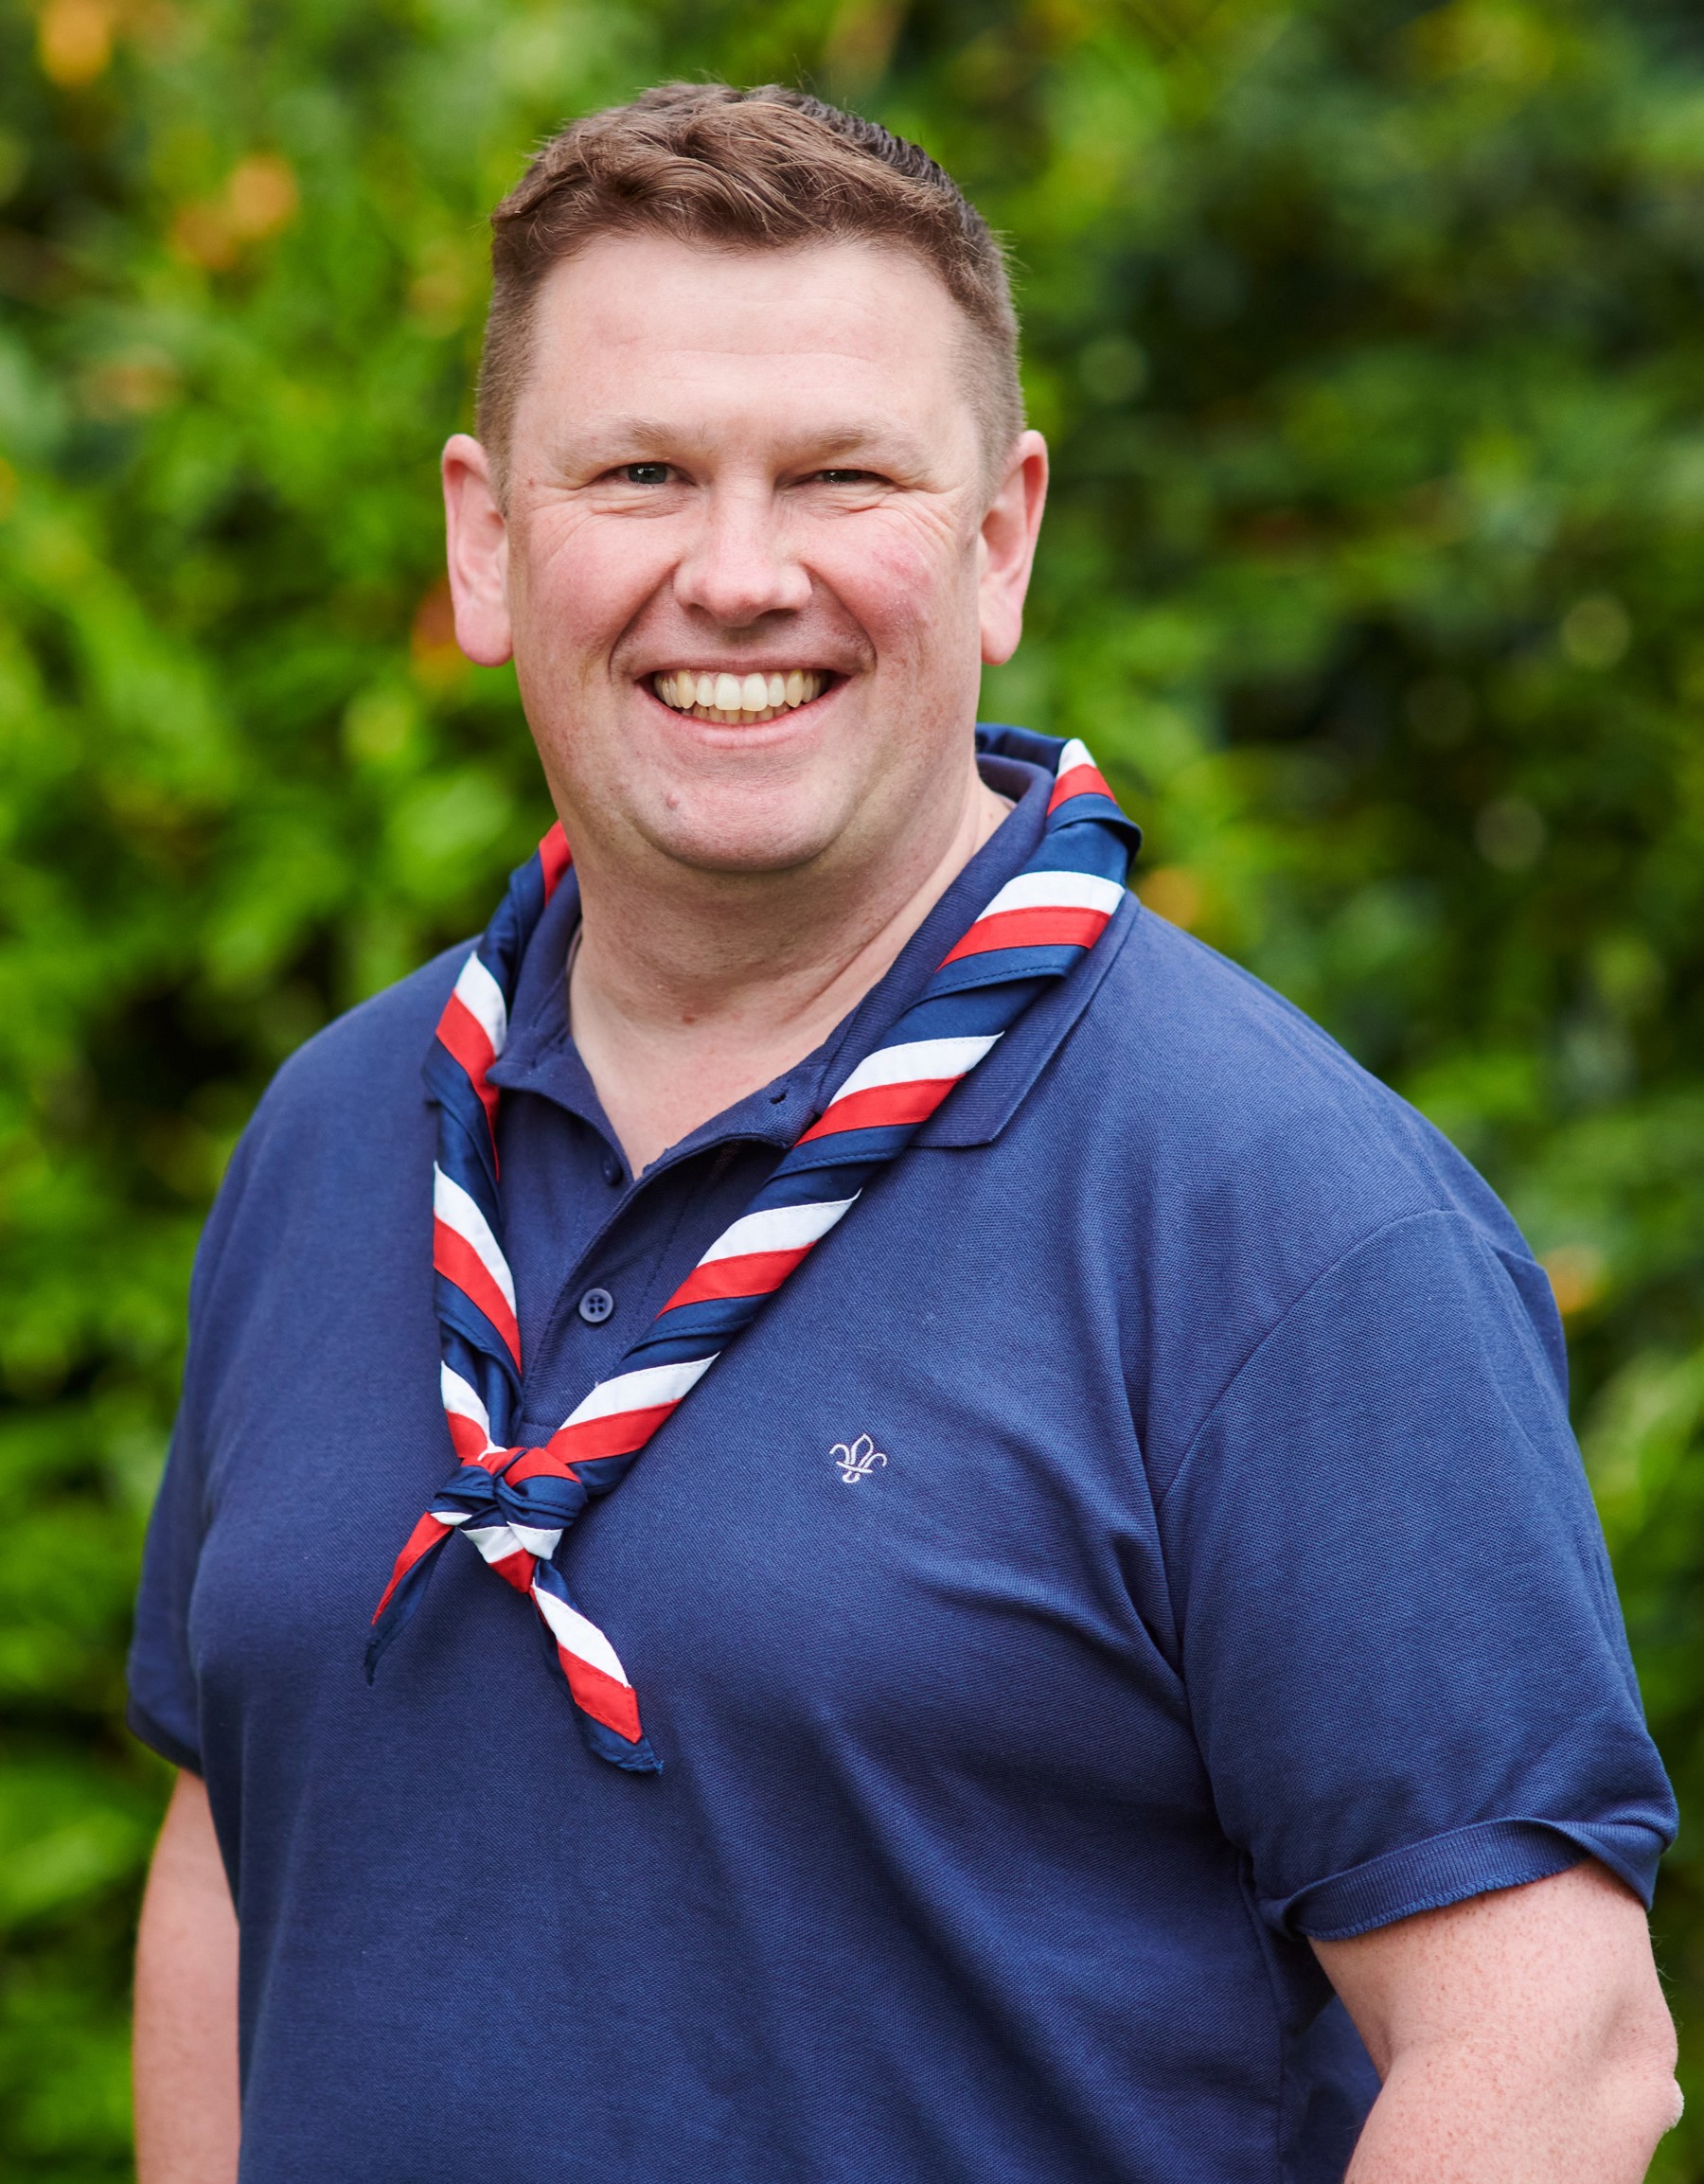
966, 1541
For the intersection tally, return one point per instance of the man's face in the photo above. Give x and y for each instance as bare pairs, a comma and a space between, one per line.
733, 466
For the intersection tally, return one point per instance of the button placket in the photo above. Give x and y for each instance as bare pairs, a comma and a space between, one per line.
647, 1275
581, 1321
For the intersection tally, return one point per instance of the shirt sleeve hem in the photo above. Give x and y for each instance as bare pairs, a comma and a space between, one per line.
1471, 1861
146, 1729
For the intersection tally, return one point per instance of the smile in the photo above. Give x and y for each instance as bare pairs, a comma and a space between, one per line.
708, 696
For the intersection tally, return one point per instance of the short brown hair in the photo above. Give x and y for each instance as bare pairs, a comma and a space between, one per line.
765, 170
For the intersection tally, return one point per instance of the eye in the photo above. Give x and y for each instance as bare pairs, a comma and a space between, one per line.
845, 477
643, 473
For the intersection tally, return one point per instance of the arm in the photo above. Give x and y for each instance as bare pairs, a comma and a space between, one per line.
1521, 2037
186, 2041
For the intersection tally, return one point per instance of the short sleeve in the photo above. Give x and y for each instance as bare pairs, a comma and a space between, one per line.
163, 1707
1400, 1636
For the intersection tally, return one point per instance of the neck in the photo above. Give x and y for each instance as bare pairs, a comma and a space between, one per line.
683, 1000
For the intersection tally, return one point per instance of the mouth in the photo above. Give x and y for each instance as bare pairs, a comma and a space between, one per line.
709, 694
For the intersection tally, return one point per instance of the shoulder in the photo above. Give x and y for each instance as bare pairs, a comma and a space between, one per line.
1189, 1017
1231, 1160
1245, 1147
1204, 1062
371, 1054
340, 1120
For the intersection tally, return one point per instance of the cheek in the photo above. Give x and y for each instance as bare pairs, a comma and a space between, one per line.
908, 583
582, 583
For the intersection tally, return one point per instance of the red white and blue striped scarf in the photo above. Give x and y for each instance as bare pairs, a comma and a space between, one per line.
517, 1504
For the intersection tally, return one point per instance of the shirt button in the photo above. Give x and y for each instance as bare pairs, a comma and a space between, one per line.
595, 1306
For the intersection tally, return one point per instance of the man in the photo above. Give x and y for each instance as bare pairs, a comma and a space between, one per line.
1065, 1547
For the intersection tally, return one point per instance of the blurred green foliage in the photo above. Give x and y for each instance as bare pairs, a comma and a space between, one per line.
1369, 341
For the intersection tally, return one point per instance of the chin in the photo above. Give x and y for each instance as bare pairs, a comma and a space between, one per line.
739, 834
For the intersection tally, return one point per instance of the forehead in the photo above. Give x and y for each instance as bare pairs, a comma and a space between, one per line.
643, 323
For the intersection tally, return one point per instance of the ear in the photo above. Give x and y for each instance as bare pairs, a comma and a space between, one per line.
476, 534
1007, 547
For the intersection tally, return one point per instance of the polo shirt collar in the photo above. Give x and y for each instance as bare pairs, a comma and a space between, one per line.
540, 1056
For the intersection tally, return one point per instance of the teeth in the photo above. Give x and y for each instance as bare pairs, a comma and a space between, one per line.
729, 698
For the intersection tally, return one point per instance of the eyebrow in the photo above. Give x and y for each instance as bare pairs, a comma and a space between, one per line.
616, 438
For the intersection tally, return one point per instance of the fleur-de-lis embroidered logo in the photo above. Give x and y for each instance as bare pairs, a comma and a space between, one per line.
857, 1462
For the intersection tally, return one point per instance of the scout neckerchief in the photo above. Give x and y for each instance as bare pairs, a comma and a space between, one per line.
517, 1504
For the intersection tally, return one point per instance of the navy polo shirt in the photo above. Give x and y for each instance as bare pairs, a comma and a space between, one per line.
1144, 1535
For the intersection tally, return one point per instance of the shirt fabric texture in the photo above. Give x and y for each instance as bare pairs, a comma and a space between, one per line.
1147, 1533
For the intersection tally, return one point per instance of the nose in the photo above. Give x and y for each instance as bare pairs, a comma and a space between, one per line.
740, 565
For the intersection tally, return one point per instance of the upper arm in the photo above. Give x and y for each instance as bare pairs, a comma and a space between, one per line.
187, 2103
187, 1878
1558, 1973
